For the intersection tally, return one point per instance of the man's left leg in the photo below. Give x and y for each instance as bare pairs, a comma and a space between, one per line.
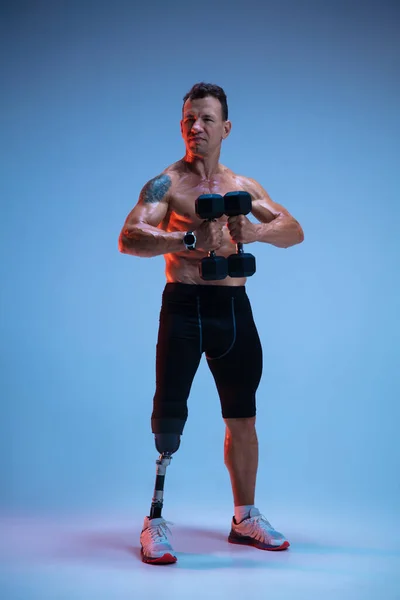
241, 458
237, 373
249, 527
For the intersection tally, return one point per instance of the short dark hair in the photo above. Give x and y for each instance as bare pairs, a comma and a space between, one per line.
201, 90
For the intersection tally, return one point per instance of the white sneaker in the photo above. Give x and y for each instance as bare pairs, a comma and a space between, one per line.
156, 548
257, 531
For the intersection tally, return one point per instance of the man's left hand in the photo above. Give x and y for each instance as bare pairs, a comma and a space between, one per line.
242, 230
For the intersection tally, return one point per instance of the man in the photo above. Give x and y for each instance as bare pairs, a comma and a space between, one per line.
213, 317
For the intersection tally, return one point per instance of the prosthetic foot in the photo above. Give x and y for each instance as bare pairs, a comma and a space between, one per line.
155, 546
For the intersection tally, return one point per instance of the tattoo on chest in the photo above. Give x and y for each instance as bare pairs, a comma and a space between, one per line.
155, 189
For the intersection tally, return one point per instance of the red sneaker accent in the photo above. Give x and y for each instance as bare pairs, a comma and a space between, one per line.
284, 546
166, 559
259, 545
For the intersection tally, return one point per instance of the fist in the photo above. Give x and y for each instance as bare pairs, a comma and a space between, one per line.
209, 235
242, 230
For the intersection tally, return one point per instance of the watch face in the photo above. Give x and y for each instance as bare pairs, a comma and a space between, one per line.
189, 239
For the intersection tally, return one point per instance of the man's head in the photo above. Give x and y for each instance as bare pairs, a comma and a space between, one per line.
204, 118
202, 90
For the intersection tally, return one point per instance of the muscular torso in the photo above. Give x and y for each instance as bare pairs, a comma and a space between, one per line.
181, 216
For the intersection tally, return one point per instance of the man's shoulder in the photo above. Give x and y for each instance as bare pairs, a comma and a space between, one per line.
170, 175
175, 170
243, 182
163, 181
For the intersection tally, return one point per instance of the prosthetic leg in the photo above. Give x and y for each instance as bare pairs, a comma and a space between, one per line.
156, 548
166, 444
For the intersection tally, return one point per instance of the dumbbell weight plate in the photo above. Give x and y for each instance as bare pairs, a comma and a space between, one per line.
241, 265
213, 268
209, 206
237, 203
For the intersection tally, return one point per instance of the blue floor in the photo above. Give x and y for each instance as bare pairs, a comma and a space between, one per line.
81, 557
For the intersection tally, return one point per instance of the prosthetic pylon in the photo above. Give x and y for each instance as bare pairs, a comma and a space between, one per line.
158, 497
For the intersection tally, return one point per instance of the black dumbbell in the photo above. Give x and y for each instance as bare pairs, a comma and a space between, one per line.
241, 264
211, 207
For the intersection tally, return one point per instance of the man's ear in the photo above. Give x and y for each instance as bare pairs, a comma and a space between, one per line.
182, 127
227, 129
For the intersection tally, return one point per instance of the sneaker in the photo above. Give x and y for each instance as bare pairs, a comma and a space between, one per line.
257, 531
156, 548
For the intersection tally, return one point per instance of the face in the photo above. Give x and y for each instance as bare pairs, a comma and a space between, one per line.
202, 126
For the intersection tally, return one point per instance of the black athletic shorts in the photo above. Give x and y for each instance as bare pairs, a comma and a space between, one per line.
218, 321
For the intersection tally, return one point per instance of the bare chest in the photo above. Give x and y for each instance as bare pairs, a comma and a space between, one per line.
182, 211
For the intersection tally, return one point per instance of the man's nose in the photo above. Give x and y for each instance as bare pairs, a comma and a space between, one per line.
197, 126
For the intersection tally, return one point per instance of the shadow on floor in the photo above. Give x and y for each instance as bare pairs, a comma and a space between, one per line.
197, 548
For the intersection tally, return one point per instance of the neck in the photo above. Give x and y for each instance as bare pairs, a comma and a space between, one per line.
203, 166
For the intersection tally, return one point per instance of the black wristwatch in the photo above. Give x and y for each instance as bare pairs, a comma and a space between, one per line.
189, 239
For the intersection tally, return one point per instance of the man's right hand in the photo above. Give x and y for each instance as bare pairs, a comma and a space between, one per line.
209, 236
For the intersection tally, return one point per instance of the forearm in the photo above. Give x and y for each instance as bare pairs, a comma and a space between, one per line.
147, 241
282, 232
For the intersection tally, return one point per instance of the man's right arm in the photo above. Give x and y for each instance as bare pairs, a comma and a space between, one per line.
140, 235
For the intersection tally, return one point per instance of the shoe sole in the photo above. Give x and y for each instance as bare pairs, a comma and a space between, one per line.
166, 559
256, 544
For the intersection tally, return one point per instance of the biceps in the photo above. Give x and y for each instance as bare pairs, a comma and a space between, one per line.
266, 210
152, 204
149, 214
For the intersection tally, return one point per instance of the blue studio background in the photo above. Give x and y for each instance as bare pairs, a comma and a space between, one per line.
90, 108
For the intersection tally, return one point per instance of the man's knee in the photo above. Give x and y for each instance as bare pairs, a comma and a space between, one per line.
241, 427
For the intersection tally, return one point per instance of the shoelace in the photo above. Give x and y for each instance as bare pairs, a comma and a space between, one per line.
263, 520
159, 533
263, 523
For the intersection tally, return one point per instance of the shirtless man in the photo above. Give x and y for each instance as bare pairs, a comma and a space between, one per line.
213, 317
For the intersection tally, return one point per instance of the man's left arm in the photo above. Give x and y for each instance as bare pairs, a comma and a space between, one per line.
276, 226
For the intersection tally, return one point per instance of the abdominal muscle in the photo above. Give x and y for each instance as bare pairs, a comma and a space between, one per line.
183, 267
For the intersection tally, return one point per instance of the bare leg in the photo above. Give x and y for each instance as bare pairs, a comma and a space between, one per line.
241, 458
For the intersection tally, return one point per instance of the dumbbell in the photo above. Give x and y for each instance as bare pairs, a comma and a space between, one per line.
211, 207
241, 264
